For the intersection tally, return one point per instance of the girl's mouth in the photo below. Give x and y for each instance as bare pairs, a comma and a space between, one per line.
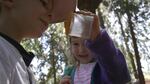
83, 55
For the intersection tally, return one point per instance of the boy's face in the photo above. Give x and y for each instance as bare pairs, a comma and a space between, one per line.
80, 51
30, 17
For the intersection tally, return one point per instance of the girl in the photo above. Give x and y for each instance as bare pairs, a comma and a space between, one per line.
98, 60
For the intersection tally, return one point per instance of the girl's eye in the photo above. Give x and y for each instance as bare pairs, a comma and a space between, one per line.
75, 44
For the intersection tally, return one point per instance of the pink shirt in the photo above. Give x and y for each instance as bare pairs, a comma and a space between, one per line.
83, 73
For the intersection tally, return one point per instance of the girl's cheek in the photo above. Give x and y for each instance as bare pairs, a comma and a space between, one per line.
76, 50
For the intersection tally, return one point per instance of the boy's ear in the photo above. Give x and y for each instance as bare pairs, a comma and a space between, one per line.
7, 3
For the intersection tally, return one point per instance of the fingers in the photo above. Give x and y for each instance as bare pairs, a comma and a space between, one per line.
66, 80
66, 77
67, 24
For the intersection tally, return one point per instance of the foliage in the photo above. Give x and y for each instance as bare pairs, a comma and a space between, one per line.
50, 51
117, 21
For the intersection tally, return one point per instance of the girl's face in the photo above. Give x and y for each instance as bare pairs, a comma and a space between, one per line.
31, 17
80, 51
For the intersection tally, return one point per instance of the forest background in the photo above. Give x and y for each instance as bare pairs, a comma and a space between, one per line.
128, 24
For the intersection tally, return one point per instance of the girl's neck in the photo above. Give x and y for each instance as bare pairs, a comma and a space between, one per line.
93, 60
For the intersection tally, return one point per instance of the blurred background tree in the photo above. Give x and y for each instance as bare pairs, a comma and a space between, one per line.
127, 22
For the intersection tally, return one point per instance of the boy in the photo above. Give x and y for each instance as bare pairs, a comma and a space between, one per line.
20, 19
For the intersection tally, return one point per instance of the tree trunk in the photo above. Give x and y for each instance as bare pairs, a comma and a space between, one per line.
54, 63
101, 18
128, 50
140, 73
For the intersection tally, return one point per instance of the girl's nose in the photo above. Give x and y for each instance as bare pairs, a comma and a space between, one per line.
82, 50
